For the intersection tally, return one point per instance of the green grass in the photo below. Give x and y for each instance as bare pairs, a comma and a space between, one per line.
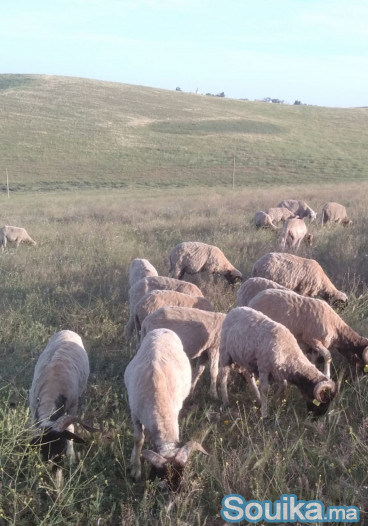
64, 133
76, 278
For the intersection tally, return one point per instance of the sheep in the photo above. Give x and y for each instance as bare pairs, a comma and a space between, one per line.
199, 332
263, 347
192, 257
145, 285
166, 298
263, 220
294, 231
278, 214
335, 213
299, 208
251, 287
60, 377
14, 234
158, 380
301, 275
314, 324
140, 268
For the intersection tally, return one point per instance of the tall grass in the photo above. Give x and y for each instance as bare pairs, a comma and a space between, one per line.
76, 278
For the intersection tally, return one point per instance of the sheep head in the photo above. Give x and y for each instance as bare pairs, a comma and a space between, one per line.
338, 298
54, 436
324, 392
171, 469
232, 276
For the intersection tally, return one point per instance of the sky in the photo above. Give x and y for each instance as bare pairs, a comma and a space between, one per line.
314, 51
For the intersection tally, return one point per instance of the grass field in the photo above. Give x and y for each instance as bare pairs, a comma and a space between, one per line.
63, 133
76, 278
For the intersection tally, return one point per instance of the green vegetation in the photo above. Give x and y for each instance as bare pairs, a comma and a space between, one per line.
63, 133
76, 278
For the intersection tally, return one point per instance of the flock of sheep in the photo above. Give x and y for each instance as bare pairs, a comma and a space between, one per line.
276, 333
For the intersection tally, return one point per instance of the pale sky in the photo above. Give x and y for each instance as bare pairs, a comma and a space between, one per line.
315, 51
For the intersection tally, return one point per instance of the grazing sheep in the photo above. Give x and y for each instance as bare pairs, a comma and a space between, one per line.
299, 208
167, 298
145, 285
335, 213
60, 376
192, 256
279, 214
158, 380
314, 324
251, 287
14, 234
301, 275
199, 332
263, 220
266, 348
295, 230
140, 268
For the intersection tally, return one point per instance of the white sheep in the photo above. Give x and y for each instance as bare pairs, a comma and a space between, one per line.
166, 298
294, 231
265, 348
314, 324
14, 234
60, 377
299, 208
335, 213
251, 287
140, 268
145, 285
301, 275
158, 380
192, 257
263, 220
199, 332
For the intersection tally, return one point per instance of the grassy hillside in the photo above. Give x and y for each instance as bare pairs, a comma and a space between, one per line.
61, 132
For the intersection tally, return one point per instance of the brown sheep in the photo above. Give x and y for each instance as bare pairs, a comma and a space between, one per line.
335, 213
301, 275
278, 214
251, 287
263, 220
140, 268
260, 346
199, 332
156, 299
192, 257
299, 208
155, 283
14, 234
313, 323
295, 230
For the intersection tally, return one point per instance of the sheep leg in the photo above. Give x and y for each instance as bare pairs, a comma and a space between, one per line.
325, 353
69, 446
3, 243
280, 390
214, 368
201, 364
135, 459
224, 374
251, 381
263, 380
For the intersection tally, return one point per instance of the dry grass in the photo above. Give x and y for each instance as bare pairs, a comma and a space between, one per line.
76, 278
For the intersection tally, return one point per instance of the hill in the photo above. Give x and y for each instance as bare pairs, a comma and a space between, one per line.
61, 132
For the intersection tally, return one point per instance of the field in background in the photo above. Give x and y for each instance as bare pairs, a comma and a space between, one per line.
76, 278
64, 133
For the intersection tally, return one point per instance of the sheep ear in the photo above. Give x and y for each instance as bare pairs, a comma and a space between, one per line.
154, 458
184, 452
62, 423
